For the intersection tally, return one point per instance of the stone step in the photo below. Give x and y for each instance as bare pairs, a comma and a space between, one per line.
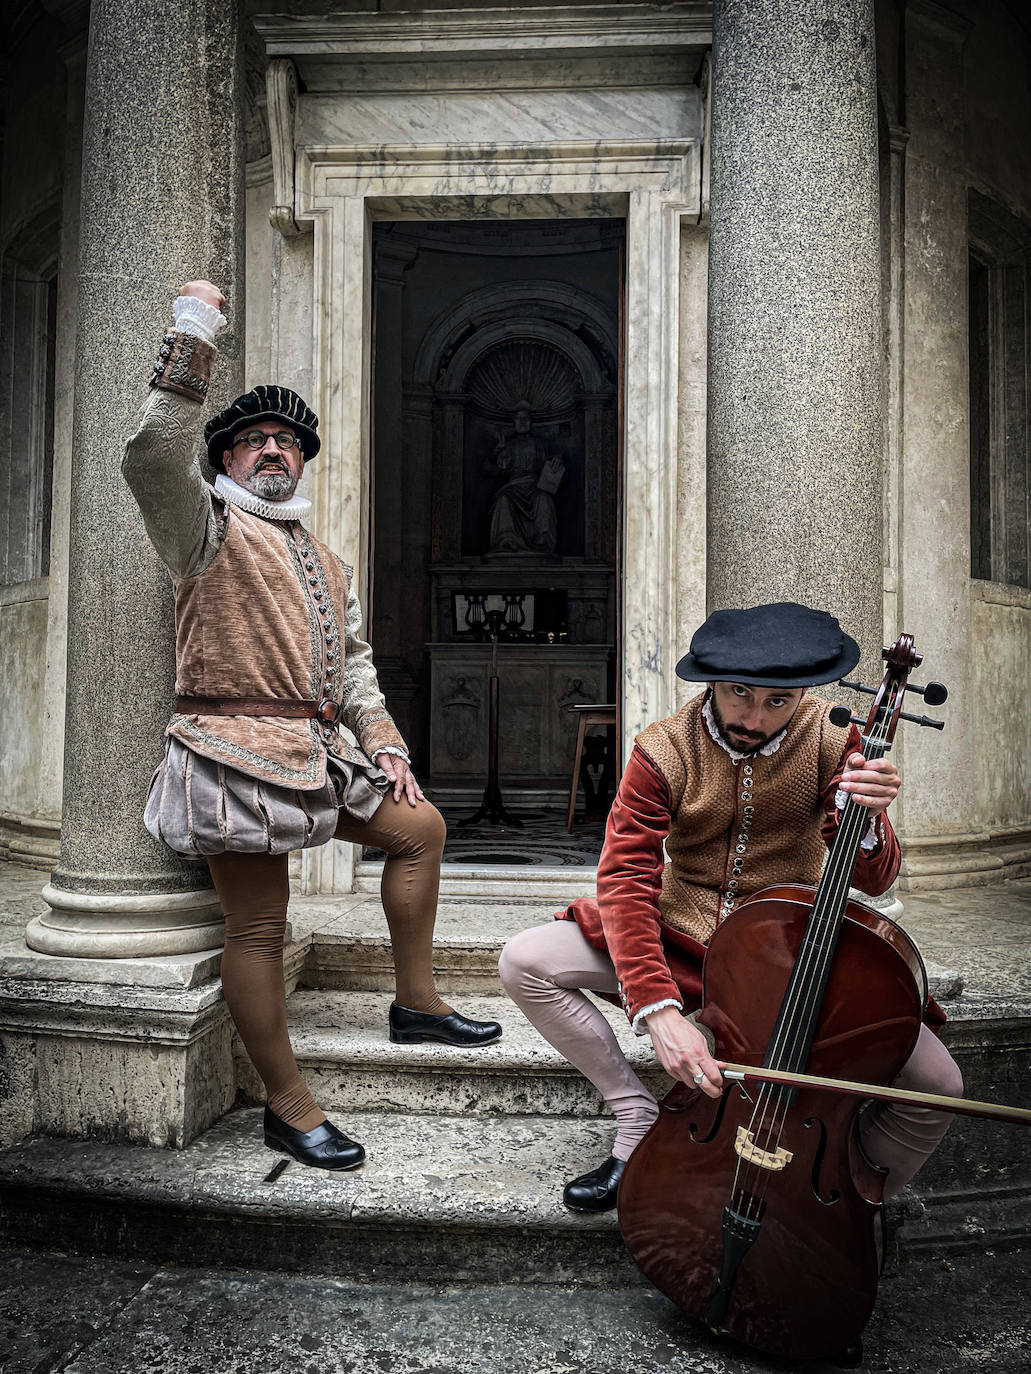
341, 1044
461, 1199
558, 885
347, 945
447, 1199
351, 948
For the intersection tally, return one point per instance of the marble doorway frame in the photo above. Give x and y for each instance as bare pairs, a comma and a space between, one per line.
653, 186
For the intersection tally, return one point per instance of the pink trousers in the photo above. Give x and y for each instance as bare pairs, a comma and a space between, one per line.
547, 972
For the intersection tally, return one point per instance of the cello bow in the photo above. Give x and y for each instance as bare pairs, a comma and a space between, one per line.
960, 1106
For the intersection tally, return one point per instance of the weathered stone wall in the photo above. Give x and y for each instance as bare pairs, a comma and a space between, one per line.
955, 86
42, 122
23, 641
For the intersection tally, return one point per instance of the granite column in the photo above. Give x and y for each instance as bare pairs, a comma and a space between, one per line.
162, 203
795, 354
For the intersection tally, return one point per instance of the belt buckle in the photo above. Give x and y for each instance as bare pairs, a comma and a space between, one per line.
329, 712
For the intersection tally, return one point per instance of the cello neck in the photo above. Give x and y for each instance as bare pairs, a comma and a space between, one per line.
792, 1037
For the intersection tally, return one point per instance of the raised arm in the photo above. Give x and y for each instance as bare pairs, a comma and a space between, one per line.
160, 463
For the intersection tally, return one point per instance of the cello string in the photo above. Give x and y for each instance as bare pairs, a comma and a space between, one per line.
819, 943
818, 947
821, 932
828, 913
762, 1129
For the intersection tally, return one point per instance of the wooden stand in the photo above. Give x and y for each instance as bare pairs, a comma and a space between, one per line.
589, 715
492, 808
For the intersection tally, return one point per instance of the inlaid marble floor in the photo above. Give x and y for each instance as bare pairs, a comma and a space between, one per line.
542, 842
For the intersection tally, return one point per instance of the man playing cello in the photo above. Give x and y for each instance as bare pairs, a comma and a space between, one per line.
745, 786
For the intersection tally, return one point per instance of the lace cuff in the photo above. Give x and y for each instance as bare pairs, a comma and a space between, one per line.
393, 749
872, 837
194, 316
645, 1012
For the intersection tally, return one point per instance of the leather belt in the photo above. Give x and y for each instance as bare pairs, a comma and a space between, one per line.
324, 710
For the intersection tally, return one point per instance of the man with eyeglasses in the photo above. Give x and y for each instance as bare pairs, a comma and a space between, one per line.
270, 663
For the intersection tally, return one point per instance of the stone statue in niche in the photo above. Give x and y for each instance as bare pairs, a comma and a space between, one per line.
522, 514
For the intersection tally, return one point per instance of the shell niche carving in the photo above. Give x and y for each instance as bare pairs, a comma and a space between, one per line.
523, 372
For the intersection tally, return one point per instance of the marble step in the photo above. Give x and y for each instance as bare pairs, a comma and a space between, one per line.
461, 1199
350, 947
557, 885
347, 945
341, 1043
449, 1199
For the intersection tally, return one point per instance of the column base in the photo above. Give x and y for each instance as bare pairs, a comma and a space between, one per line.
130, 1061
126, 926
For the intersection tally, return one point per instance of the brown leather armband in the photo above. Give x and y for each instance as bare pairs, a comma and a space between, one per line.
184, 364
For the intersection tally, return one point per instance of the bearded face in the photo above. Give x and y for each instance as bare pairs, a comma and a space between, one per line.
271, 470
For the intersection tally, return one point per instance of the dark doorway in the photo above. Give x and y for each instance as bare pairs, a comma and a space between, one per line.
496, 444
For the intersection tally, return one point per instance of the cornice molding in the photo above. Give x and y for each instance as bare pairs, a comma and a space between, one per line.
554, 31
281, 86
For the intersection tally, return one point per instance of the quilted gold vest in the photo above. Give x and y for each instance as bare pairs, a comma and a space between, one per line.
739, 827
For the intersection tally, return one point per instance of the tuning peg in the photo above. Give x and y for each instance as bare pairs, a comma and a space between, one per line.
841, 715
923, 720
935, 693
858, 687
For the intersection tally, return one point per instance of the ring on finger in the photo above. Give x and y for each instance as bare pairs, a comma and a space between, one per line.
698, 1079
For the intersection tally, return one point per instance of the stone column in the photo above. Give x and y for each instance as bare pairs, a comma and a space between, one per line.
794, 393
162, 203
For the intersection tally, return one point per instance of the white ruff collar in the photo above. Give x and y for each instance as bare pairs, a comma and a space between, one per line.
770, 747
296, 508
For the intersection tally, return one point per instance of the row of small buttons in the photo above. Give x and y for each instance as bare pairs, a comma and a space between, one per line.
319, 594
747, 780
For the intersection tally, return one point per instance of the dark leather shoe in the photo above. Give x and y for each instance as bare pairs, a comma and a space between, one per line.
596, 1191
323, 1147
409, 1027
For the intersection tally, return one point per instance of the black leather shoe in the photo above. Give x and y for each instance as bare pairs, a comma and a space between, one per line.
323, 1147
596, 1191
409, 1027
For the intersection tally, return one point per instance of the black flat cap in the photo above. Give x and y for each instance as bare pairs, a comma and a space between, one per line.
780, 645
262, 403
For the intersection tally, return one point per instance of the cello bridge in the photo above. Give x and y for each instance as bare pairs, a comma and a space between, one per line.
749, 1151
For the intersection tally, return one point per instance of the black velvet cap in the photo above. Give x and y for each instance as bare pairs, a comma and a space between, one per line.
780, 645
262, 403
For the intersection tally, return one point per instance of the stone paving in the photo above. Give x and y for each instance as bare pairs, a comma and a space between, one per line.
84, 1316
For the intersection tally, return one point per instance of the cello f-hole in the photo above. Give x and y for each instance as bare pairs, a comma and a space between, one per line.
714, 1129
821, 1150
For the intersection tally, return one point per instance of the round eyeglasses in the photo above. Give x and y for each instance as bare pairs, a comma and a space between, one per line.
256, 439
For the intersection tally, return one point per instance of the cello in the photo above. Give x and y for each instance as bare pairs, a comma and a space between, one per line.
757, 1212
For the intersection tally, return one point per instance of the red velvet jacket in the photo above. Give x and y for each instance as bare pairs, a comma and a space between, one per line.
655, 964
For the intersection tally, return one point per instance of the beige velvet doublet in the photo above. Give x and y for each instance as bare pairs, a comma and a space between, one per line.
269, 617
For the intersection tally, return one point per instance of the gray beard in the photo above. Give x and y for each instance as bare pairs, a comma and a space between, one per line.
273, 486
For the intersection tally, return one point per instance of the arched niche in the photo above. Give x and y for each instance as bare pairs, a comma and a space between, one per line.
545, 347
